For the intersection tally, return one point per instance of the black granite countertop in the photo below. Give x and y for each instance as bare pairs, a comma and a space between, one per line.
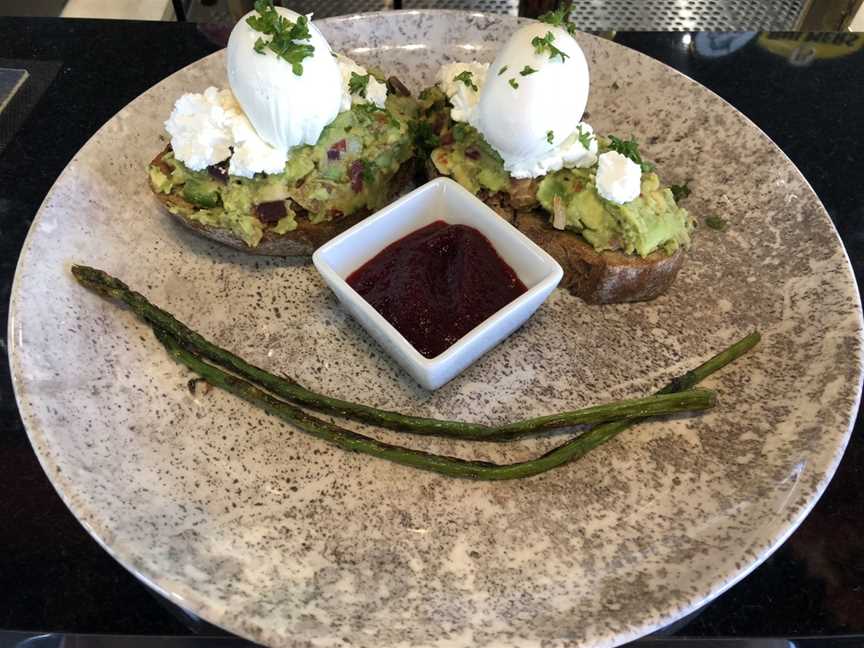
804, 91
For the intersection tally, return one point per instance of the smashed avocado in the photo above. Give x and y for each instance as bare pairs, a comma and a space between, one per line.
350, 168
649, 223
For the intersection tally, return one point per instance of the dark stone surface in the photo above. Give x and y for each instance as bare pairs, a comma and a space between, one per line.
54, 577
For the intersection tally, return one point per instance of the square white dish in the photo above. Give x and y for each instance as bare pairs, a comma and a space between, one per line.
440, 199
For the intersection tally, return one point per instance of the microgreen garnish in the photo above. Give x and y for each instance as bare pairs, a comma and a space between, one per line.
629, 149
550, 136
680, 192
514, 83
425, 137
716, 223
460, 131
503, 70
527, 70
584, 137
466, 77
370, 112
545, 43
357, 84
284, 35
368, 170
560, 18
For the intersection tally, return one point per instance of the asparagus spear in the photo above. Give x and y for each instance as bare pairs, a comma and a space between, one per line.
445, 465
288, 389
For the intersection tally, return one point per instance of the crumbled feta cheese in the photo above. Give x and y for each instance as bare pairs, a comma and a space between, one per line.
619, 179
462, 96
376, 92
200, 127
252, 154
205, 127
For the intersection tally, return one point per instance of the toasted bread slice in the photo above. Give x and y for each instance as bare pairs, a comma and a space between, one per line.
299, 242
601, 277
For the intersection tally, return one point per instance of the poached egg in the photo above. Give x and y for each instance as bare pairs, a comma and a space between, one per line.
532, 101
286, 109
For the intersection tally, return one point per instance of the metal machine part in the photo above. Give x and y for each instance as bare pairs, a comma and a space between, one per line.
592, 15
688, 15
487, 6
645, 15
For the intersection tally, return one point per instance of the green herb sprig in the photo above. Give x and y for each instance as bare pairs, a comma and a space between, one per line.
513, 83
716, 223
284, 35
503, 70
680, 192
466, 77
560, 18
368, 112
358, 84
629, 149
544, 44
584, 137
425, 137
527, 70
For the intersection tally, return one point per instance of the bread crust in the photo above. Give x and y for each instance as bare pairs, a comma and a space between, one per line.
300, 242
607, 277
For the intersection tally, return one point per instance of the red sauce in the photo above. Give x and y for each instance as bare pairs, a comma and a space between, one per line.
436, 284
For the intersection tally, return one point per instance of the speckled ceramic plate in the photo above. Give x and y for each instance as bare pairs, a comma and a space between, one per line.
283, 539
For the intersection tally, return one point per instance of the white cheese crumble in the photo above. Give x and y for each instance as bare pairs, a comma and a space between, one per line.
462, 96
619, 179
205, 127
252, 154
376, 92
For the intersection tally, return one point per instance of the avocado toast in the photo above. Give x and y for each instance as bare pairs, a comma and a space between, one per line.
363, 159
610, 252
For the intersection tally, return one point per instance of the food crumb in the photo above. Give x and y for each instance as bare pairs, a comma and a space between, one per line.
193, 383
715, 222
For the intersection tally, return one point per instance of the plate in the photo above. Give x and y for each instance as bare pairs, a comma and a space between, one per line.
285, 540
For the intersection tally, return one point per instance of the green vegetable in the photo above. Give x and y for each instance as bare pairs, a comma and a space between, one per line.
514, 83
368, 170
584, 137
560, 18
466, 77
527, 70
284, 35
629, 149
113, 288
357, 84
425, 138
503, 70
201, 192
679, 192
550, 136
545, 44
716, 223
451, 466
